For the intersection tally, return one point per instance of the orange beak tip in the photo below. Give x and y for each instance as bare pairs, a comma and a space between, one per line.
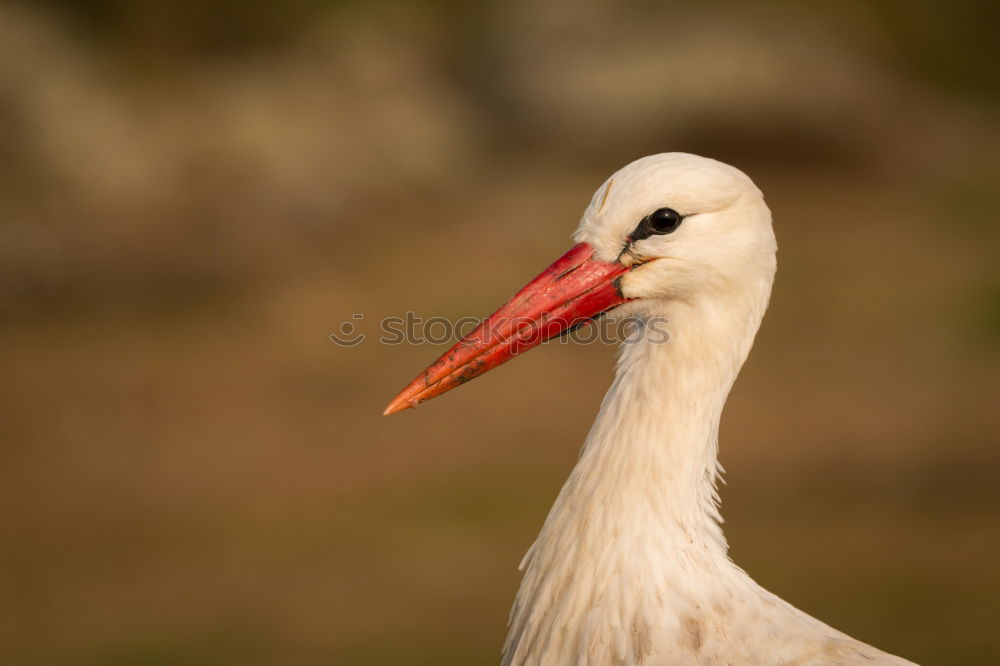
396, 406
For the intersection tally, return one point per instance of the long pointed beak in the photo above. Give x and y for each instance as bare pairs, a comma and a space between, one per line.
574, 290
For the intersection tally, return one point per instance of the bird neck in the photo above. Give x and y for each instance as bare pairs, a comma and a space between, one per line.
652, 453
640, 509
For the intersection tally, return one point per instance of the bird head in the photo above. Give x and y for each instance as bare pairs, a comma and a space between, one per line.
666, 228
685, 225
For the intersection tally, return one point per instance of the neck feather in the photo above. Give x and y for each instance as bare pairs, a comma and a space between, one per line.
641, 503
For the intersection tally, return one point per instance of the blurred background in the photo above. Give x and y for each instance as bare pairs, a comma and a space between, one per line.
194, 195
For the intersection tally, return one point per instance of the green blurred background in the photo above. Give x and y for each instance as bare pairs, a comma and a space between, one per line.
194, 195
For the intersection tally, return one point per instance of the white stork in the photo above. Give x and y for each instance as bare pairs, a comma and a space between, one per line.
631, 566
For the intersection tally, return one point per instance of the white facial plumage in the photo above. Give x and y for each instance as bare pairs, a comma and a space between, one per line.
724, 240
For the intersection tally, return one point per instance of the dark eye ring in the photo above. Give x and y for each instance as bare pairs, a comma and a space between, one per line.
664, 221
659, 222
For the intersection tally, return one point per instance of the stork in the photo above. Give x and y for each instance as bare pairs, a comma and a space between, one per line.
631, 565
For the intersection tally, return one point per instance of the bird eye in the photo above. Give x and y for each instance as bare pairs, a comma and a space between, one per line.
664, 221
661, 221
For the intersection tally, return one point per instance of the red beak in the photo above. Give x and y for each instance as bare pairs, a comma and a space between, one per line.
571, 292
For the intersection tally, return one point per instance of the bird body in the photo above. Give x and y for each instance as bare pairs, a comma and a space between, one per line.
631, 565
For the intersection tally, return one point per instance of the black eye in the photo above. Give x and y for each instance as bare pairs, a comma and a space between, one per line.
664, 221
661, 221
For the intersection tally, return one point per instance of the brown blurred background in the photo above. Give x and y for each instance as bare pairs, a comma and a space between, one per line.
194, 195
